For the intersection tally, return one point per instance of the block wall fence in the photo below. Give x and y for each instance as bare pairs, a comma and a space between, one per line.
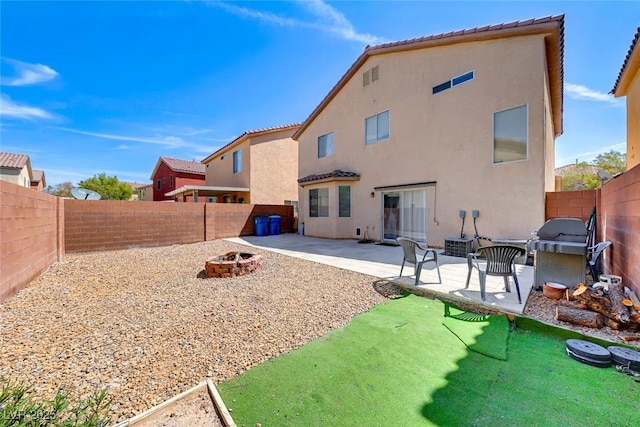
37, 229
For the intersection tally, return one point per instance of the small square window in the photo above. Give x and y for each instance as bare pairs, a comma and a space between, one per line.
377, 127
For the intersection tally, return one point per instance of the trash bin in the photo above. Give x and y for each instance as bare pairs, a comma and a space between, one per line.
262, 225
301, 228
274, 224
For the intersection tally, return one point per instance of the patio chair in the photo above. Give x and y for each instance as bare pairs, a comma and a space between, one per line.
495, 260
410, 248
593, 254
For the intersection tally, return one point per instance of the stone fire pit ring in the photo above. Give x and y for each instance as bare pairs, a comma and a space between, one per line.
232, 264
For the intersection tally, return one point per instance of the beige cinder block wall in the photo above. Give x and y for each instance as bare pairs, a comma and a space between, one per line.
445, 137
274, 168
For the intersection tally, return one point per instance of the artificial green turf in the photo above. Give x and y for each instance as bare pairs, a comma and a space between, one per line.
397, 365
483, 334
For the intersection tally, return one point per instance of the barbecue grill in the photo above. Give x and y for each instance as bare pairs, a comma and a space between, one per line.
560, 252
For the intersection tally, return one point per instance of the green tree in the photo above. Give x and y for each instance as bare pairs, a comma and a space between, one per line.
109, 187
584, 176
61, 190
613, 162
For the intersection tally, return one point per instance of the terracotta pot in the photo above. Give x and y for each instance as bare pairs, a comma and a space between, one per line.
554, 290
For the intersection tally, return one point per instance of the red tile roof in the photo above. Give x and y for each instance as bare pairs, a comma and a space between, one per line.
327, 175
179, 165
551, 25
627, 61
13, 161
250, 133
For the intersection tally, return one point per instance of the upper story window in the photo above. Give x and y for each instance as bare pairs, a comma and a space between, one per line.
159, 184
237, 161
319, 202
377, 127
510, 129
453, 82
171, 181
325, 145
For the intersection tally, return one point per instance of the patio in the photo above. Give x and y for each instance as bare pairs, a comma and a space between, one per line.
384, 262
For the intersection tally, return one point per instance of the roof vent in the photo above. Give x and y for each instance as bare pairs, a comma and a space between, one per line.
366, 77
375, 73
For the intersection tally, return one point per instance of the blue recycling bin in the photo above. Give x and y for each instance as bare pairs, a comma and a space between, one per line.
274, 224
262, 225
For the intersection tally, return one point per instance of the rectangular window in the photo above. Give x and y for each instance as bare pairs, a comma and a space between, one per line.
237, 161
171, 181
344, 201
159, 184
293, 203
510, 135
377, 127
325, 145
319, 202
453, 82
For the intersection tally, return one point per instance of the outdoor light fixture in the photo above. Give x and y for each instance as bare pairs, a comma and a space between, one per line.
373, 194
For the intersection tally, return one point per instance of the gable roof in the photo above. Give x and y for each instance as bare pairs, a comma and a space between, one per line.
551, 26
250, 134
13, 160
179, 165
630, 68
38, 176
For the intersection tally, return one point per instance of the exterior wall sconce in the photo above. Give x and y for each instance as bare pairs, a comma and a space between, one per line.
372, 194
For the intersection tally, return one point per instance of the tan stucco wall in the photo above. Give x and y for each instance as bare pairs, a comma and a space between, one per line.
446, 137
219, 172
274, 168
17, 176
633, 123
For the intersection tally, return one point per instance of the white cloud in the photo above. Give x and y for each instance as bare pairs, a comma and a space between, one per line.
328, 20
584, 93
8, 108
590, 155
28, 74
167, 141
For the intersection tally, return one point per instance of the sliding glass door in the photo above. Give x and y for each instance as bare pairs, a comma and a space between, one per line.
404, 214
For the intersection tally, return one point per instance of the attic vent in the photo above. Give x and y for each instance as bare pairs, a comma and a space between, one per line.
366, 77
375, 73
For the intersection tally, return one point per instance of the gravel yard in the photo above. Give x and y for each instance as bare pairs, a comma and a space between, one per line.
147, 323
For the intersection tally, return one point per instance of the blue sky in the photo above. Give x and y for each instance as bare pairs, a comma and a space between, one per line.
91, 87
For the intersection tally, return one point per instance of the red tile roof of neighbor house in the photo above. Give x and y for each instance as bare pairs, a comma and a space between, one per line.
37, 175
250, 133
551, 26
632, 64
330, 175
179, 165
13, 161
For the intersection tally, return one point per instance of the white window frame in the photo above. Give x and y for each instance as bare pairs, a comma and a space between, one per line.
237, 161
328, 148
378, 136
522, 156
340, 202
322, 194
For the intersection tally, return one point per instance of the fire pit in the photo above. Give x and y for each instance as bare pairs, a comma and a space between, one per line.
232, 264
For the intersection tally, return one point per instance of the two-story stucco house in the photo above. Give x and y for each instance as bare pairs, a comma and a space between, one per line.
628, 84
170, 173
259, 167
416, 131
16, 168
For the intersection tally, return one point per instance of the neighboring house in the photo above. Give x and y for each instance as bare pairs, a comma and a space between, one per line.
38, 182
139, 190
259, 167
16, 168
171, 173
628, 84
418, 130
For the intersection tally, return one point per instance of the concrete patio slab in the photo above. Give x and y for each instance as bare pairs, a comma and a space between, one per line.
384, 261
